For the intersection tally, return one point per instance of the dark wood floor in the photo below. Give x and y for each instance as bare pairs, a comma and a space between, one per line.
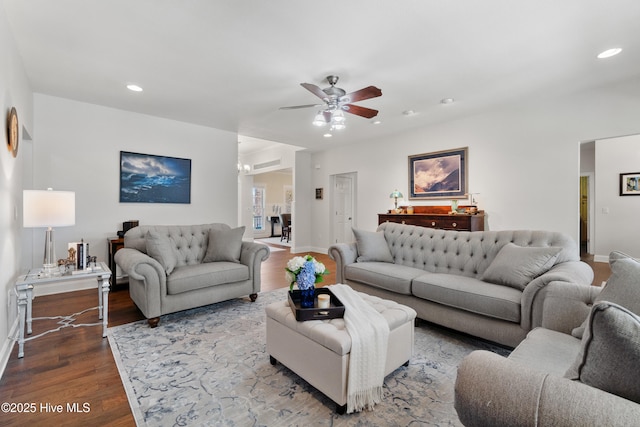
75, 365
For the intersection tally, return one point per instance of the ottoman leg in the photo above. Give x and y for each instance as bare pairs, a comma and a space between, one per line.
341, 409
272, 360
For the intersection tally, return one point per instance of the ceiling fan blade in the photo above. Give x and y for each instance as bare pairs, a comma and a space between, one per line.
360, 111
295, 107
362, 94
315, 90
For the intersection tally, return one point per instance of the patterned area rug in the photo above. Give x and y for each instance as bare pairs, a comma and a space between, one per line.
208, 367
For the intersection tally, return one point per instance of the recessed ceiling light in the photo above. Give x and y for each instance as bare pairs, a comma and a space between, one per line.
327, 135
376, 122
609, 53
408, 112
134, 88
447, 101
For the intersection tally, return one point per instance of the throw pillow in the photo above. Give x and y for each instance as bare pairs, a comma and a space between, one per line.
159, 247
224, 245
372, 246
623, 286
516, 266
610, 352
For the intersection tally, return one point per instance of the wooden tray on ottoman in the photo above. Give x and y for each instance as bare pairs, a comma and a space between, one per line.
335, 310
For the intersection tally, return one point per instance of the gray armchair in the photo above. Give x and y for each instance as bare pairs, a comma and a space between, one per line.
569, 372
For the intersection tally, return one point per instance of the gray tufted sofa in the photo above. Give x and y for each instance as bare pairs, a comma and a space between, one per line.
183, 271
491, 284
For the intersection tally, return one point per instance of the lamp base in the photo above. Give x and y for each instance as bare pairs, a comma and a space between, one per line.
50, 265
50, 270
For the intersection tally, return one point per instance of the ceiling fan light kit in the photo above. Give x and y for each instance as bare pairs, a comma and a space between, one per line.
336, 101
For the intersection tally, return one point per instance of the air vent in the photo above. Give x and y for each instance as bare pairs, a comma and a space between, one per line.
266, 164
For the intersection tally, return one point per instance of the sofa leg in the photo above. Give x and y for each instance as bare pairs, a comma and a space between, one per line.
253, 297
153, 322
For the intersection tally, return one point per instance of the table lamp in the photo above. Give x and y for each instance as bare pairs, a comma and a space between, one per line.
48, 209
395, 196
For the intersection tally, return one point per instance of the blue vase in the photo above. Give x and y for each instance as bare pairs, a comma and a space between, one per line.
307, 297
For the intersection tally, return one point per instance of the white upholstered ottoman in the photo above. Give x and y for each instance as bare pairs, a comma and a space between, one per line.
318, 350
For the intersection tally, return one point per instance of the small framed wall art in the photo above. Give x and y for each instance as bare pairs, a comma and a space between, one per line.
319, 193
439, 175
630, 184
13, 132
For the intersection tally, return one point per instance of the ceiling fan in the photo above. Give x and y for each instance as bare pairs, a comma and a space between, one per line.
337, 100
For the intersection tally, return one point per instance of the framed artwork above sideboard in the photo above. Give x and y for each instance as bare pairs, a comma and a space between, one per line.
439, 175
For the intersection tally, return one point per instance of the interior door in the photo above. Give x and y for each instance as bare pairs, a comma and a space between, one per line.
343, 207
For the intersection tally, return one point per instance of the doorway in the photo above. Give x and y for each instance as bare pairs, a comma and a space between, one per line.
343, 207
586, 213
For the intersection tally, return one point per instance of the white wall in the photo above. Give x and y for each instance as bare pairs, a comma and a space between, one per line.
524, 160
616, 217
77, 147
15, 91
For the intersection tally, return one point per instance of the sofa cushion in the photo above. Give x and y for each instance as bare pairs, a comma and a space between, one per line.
224, 245
610, 352
383, 275
372, 246
547, 351
160, 248
467, 293
197, 276
623, 286
516, 266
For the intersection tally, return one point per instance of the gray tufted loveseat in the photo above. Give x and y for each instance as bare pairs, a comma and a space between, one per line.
491, 284
174, 268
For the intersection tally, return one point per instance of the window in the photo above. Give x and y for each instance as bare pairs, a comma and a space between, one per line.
258, 208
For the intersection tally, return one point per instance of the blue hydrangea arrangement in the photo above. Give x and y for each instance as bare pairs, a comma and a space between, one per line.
305, 271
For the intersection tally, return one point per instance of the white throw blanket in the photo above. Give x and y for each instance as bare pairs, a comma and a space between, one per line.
369, 333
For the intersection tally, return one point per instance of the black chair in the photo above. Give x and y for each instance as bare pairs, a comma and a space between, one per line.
285, 221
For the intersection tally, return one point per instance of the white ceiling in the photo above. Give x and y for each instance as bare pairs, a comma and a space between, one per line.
232, 64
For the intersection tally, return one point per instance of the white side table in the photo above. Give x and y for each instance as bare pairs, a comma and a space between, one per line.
24, 294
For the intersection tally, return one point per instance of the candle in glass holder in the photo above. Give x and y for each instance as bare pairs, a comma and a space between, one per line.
323, 301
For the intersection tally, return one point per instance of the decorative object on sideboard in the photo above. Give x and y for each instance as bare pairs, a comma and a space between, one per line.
13, 131
82, 256
395, 195
439, 175
48, 209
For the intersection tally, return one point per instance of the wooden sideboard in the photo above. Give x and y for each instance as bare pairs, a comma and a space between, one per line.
437, 217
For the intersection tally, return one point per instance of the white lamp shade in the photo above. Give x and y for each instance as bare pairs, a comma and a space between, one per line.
48, 208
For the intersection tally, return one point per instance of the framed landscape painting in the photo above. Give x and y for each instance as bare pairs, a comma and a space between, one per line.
146, 178
630, 184
439, 175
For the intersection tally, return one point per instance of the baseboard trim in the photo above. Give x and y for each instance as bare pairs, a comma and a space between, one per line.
601, 258
7, 347
298, 250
